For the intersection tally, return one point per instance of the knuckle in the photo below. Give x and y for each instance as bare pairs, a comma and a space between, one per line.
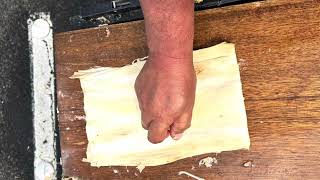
178, 106
145, 121
180, 102
188, 126
144, 126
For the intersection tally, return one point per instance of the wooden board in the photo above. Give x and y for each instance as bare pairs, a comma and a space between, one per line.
277, 45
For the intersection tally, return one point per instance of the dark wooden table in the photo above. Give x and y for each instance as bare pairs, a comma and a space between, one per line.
278, 49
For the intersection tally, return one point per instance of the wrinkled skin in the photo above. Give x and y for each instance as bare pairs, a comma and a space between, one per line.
166, 93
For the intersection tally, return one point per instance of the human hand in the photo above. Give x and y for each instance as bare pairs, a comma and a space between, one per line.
165, 90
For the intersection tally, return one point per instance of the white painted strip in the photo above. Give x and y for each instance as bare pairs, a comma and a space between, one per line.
43, 92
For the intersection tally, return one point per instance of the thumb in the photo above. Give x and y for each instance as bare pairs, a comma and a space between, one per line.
158, 131
180, 125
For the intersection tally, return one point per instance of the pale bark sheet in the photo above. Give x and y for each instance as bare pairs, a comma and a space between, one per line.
113, 125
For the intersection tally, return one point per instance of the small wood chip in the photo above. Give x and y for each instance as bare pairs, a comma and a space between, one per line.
208, 161
140, 168
248, 164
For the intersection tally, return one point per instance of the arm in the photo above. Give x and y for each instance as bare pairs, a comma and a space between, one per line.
169, 27
166, 85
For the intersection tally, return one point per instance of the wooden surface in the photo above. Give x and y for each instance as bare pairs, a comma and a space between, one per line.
278, 48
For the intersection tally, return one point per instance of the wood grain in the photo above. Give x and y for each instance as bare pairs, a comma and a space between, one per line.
277, 45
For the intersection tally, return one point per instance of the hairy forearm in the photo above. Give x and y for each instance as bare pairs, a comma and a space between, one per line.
169, 27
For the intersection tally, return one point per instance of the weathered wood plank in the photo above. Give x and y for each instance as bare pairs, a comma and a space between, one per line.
277, 45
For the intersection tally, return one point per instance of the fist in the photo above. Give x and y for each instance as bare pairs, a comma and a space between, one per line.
165, 89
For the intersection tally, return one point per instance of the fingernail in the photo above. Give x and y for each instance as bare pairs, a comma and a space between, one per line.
177, 136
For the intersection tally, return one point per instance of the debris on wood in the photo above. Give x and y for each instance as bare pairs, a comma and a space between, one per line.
80, 143
70, 178
208, 161
60, 94
242, 65
190, 175
106, 26
115, 171
85, 160
102, 20
257, 4
139, 59
140, 168
80, 117
248, 164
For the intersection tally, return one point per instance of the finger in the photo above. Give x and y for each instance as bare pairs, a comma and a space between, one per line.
180, 125
145, 120
158, 131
